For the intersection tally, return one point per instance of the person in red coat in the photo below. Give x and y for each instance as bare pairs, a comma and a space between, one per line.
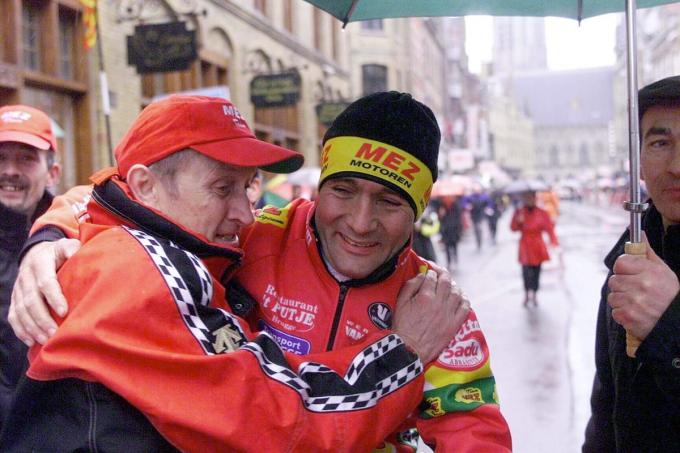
532, 221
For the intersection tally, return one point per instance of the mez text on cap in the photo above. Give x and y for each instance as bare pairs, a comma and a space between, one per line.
27, 125
210, 126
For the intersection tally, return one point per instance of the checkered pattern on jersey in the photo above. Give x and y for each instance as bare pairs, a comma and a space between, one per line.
370, 354
179, 289
204, 276
323, 390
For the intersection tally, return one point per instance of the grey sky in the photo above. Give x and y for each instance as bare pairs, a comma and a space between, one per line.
569, 45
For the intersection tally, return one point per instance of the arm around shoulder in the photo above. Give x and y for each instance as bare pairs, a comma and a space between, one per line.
153, 347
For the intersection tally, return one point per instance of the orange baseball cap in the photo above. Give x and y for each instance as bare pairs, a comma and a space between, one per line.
24, 124
210, 126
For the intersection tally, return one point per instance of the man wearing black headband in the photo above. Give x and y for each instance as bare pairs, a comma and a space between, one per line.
323, 275
636, 401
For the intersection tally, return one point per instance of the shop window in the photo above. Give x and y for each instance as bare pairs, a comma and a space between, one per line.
201, 74
317, 28
373, 78
44, 39
335, 40
67, 30
288, 15
30, 28
261, 6
291, 143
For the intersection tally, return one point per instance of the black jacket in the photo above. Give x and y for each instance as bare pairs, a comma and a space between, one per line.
13, 233
636, 402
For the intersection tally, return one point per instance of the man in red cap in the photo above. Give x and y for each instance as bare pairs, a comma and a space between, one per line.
150, 345
27, 169
323, 275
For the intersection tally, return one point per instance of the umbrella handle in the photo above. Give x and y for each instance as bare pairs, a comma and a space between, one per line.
633, 342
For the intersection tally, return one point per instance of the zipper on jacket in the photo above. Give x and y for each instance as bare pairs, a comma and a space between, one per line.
338, 315
92, 425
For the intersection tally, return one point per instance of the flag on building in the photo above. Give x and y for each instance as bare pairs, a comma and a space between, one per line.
90, 22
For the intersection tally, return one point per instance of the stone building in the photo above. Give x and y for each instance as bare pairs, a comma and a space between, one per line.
573, 115
44, 63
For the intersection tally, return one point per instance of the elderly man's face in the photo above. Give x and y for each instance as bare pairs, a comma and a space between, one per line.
361, 224
24, 175
209, 198
660, 159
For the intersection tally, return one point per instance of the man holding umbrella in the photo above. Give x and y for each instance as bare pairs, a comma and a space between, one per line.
636, 400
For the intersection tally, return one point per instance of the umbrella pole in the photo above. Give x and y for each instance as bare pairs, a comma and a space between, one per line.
634, 205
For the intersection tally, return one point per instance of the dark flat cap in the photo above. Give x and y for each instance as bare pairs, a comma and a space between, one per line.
664, 92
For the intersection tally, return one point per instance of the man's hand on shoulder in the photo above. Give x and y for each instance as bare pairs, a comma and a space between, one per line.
430, 310
36, 288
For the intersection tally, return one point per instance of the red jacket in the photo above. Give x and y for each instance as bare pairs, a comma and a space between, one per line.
300, 302
148, 322
536, 221
307, 311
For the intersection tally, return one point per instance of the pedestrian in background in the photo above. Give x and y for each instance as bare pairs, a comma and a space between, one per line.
451, 219
493, 212
636, 401
532, 221
477, 203
28, 168
550, 202
423, 231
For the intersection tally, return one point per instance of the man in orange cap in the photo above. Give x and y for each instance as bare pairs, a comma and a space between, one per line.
27, 169
150, 344
323, 275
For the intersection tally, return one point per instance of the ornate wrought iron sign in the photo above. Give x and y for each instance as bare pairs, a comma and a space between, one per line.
162, 47
275, 90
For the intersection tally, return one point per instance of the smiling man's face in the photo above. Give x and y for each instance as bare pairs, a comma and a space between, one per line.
24, 175
361, 225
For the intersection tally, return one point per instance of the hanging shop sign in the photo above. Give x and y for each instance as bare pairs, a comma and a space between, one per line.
326, 112
162, 47
275, 90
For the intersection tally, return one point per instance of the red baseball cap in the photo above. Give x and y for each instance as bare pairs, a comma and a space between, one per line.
210, 126
23, 124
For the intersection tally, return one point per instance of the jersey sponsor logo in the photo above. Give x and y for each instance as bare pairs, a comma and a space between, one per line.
289, 314
469, 395
435, 409
468, 328
466, 355
80, 209
272, 216
380, 314
287, 342
226, 339
355, 331
467, 350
